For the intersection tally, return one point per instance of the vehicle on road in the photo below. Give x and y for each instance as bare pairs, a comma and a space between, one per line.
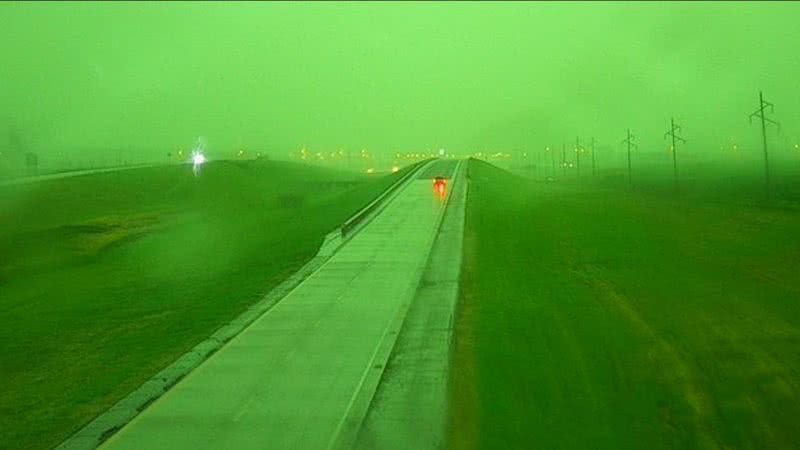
439, 185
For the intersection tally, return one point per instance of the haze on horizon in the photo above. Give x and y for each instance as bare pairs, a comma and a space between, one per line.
91, 78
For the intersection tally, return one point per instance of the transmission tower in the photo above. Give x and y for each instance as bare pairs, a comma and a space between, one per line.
629, 140
674, 128
761, 114
578, 150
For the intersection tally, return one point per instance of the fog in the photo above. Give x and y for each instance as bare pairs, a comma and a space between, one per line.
99, 80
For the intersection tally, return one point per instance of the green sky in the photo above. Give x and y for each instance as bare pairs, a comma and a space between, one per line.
391, 76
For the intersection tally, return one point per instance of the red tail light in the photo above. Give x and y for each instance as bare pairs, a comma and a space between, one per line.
439, 186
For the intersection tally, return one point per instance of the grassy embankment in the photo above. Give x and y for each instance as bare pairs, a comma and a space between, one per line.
106, 279
592, 317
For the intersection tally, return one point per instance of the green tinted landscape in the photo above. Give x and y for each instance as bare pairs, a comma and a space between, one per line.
108, 278
595, 317
631, 263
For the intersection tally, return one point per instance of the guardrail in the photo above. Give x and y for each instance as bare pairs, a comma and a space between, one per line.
359, 217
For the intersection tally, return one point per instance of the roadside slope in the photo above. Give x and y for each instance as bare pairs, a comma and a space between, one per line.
599, 319
105, 279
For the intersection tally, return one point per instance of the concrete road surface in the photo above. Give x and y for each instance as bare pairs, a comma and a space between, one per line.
409, 409
303, 374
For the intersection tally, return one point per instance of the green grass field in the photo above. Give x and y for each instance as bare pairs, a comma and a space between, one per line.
105, 279
595, 318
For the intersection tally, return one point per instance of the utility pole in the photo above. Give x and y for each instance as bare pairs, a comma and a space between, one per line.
564, 160
552, 162
593, 164
578, 155
539, 164
673, 129
629, 141
761, 114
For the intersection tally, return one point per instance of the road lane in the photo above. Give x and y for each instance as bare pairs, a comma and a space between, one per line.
68, 174
290, 378
409, 408
443, 168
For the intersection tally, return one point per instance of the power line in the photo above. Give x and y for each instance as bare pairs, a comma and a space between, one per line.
674, 128
629, 141
761, 114
578, 149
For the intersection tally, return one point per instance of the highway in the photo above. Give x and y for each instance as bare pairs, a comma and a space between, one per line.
303, 375
67, 174
409, 409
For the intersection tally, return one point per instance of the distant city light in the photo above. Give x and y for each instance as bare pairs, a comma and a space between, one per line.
370, 170
395, 169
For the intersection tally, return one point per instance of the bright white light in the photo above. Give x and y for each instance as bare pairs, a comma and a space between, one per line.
198, 157
395, 169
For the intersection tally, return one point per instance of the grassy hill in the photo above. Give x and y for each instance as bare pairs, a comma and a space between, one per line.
107, 278
593, 317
